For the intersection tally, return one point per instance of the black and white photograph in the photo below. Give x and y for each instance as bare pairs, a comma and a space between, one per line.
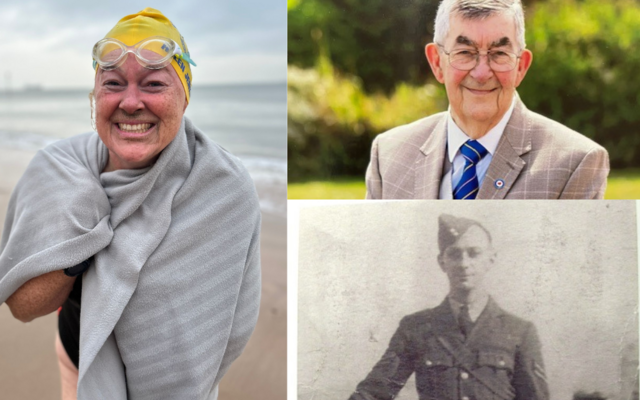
426, 300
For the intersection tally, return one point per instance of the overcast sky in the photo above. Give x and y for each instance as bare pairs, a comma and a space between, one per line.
49, 43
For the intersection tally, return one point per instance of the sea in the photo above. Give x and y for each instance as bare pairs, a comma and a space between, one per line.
249, 120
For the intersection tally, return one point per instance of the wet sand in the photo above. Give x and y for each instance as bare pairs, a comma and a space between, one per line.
28, 366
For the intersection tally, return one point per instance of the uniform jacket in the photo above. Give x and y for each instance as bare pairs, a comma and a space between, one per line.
499, 360
536, 158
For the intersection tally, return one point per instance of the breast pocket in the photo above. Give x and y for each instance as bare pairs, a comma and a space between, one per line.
495, 369
438, 359
500, 360
435, 376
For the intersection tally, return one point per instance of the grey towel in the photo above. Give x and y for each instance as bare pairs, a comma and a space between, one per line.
173, 293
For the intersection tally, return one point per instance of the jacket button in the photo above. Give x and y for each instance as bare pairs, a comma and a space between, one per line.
501, 363
429, 363
464, 375
465, 398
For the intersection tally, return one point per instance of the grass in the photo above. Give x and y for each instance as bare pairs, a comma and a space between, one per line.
623, 184
342, 189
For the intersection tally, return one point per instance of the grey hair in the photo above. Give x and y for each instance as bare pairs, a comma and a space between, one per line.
478, 9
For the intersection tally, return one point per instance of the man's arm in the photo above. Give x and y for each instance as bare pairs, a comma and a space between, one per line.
389, 375
529, 377
373, 177
40, 295
589, 180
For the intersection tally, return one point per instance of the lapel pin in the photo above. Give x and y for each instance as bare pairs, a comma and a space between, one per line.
499, 183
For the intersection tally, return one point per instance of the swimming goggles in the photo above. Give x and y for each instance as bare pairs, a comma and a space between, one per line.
154, 52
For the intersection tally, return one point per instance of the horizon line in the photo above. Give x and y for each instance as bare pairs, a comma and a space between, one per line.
33, 88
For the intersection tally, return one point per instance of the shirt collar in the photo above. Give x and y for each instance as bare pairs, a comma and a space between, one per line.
456, 137
475, 308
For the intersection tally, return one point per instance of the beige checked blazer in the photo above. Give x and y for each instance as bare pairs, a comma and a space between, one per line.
536, 158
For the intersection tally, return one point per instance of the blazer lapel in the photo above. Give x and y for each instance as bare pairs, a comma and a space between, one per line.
428, 166
507, 163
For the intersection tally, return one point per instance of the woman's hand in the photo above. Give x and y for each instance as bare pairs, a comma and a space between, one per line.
40, 296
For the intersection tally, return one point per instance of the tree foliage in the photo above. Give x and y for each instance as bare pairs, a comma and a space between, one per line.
585, 71
380, 41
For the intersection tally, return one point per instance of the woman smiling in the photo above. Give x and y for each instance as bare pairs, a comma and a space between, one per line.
147, 227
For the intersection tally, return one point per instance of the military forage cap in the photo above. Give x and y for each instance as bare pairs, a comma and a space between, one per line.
451, 228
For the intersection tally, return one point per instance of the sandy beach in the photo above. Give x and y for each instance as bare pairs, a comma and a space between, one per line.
28, 366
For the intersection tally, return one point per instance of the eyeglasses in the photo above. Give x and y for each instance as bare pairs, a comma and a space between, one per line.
466, 60
154, 52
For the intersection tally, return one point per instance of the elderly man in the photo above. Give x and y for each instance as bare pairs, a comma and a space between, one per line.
145, 232
487, 145
467, 347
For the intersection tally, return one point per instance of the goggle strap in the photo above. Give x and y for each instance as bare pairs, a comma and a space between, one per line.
186, 57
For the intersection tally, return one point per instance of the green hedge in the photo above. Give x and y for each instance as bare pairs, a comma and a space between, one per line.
332, 121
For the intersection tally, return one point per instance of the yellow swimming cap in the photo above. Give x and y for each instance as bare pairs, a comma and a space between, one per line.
150, 22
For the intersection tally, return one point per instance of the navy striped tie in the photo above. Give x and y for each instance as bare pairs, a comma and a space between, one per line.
467, 187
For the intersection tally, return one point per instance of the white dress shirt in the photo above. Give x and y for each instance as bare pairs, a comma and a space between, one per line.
456, 138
